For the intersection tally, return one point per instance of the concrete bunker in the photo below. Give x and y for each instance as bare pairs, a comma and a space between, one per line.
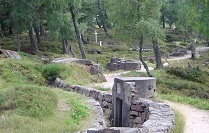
143, 114
126, 112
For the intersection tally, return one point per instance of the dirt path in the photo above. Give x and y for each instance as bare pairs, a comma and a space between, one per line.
199, 50
197, 121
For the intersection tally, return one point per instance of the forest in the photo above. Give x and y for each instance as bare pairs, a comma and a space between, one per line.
66, 20
149, 31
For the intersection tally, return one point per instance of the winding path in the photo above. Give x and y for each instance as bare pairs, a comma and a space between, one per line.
199, 50
196, 120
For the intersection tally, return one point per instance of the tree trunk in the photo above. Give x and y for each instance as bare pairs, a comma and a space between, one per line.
101, 15
170, 26
1, 34
64, 51
69, 49
32, 40
193, 50
41, 29
186, 37
11, 32
37, 32
77, 33
157, 54
193, 46
207, 41
141, 40
163, 21
97, 21
18, 40
83, 40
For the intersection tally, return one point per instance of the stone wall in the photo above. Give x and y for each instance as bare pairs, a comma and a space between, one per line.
146, 116
121, 64
139, 113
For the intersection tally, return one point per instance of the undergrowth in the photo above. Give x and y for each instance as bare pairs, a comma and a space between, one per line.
80, 111
32, 101
26, 105
177, 89
179, 122
56, 123
189, 73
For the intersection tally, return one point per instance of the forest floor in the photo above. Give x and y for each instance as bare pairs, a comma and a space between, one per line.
196, 120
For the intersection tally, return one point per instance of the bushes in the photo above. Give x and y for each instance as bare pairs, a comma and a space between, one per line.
51, 71
32, 101
192, 74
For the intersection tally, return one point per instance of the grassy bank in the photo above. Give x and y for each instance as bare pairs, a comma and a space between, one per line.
68, 103
27, 105
178, 89
179, 123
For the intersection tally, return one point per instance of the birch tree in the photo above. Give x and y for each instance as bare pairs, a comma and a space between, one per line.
137, 19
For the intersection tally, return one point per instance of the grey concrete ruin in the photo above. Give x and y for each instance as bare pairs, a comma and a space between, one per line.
121, 64
125, 111
142, 115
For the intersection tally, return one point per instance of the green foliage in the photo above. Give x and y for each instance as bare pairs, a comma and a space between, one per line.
169, 11
179, 123
80, 111
1, 100
13, 123
133, 19
32, 101
189, 73
173, 35
51, 71
103, 88
21, 71
197, 102
172, 85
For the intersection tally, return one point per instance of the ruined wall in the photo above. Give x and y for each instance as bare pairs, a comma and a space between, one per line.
121, 64
146, 116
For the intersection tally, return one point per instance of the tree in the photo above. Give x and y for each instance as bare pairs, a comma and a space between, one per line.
169, 12
136, 19
101, 15
20, 19
163, 11
1, 34
66, 34
202, 8
78, 35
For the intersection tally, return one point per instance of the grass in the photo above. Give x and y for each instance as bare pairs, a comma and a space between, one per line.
13, 123
179, 123
196, 102
26, 105
32, 101
104, 88
80, 111
177, 89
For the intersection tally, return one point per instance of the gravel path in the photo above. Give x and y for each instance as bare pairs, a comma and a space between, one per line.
196, 120
199, 50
